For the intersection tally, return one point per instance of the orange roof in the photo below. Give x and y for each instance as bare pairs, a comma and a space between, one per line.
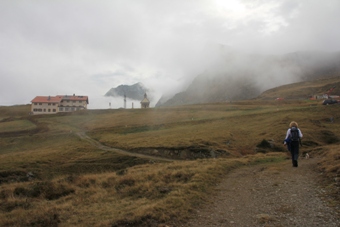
59, 98
74, 98
46, 99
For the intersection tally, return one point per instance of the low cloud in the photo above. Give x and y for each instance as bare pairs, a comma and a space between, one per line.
85, 47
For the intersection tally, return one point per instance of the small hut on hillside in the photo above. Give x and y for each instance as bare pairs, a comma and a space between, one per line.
145, 103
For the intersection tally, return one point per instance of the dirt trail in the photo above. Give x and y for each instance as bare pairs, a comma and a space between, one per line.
100, 146
275, 195
269, 195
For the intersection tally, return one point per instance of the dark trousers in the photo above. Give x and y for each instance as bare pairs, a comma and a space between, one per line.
294, 150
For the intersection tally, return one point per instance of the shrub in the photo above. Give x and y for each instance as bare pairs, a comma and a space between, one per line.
8, 206
20, 191
48, 190
121, 172
329, 137
49, 218
126, 181
264, 144
109, 183
177, 177
5, 193
85, 182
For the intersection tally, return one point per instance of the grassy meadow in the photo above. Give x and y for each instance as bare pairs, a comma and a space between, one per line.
49, 176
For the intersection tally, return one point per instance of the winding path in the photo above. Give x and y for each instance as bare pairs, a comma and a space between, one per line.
275, 195
100, 146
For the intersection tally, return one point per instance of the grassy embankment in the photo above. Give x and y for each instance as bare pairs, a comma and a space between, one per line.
74, 183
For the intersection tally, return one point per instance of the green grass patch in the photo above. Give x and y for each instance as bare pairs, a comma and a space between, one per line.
16, 125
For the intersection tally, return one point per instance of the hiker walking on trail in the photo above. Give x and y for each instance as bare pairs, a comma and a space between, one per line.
292, 141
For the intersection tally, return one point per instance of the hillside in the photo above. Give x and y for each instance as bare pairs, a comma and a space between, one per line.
239, 77
149, 167
304, 90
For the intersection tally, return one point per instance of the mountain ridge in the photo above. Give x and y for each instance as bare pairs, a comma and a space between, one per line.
242, 77
135, 91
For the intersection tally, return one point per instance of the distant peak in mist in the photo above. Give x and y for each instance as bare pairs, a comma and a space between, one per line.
135, 91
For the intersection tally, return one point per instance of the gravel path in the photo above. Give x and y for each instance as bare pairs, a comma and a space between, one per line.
269, 195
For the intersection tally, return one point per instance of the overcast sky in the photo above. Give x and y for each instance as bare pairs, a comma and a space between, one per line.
54, 47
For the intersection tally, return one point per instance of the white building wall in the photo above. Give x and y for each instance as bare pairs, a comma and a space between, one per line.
44, 108
53, 108
70, 106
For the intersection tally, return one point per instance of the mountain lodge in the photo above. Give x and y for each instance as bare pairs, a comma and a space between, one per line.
58, 104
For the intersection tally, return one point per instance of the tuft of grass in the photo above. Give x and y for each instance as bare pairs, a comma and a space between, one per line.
46, 189
329, 166
44, 216
330, 162
264, 144
329, 137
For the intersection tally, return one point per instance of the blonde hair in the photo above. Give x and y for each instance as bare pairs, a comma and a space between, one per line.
293, 124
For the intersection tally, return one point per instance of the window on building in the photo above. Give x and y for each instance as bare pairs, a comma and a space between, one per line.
40, 104
66, 109
54, 110
49, 110
61, 109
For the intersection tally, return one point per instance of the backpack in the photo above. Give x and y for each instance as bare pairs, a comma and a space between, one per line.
294, 134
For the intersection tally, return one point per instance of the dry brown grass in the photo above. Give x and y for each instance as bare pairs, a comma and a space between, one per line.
225, 127
151, 193
305, 89
329, 167
77, 184
330, 162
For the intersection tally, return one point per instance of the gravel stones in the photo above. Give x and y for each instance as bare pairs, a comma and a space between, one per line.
269, 195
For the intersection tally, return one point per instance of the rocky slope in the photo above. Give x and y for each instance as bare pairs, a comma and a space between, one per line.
135, 91
238, 76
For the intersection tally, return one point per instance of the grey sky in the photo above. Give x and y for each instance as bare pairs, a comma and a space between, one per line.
53, 47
